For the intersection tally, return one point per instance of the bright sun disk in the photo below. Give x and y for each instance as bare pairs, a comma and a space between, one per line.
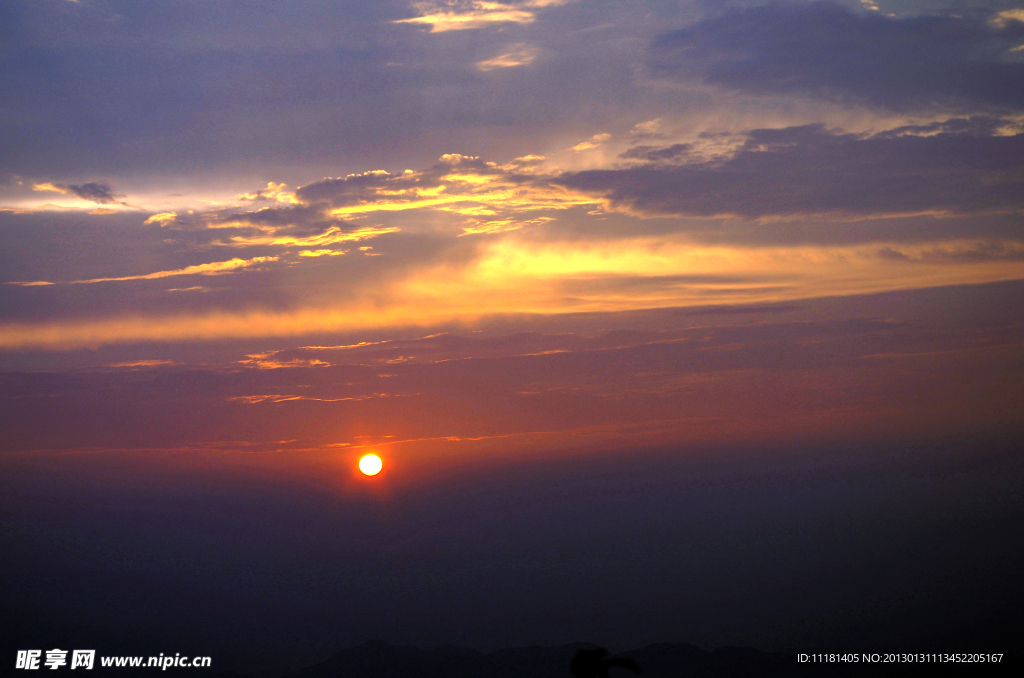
370, 465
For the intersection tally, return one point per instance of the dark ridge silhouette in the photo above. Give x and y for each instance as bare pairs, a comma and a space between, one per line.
596, 664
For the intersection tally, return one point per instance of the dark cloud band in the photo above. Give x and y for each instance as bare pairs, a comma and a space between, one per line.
964, 168
919, 63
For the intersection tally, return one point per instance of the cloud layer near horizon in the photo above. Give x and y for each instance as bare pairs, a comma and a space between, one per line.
910, 363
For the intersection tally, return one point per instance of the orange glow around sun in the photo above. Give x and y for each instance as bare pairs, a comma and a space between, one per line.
370, 465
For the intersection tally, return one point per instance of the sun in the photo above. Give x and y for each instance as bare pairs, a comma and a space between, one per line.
370, 465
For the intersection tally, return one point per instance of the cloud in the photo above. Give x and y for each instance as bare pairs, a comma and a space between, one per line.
675, 152
536, 244
516, 55
136, 364
286, 398
35, 209
456, 15
49, 187
331, 236
163, 218
471, 195
255, 97
824, 50
272, 193
961, 166
502, 225
95, 192
518, 276
592, 142
1002, 19
213, 268
488, 194
442, 347
321, 253
834, 354
769, 337
647, 128
291, 222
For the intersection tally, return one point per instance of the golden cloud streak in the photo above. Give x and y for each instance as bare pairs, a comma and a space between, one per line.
450, 21
514, 276
332, 235
214, 268
458, 16
213, 326
493, 196
321, 253
143, 363
50, 187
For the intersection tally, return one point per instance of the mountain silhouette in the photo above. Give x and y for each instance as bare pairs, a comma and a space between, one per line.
596, 664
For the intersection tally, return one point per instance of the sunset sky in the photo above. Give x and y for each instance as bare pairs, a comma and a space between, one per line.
664, 317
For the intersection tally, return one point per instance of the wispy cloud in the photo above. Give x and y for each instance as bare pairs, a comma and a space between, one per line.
647, 128
94, 192
213, 268
137, 364
456, 15
331, 236
515, 55
503, 225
